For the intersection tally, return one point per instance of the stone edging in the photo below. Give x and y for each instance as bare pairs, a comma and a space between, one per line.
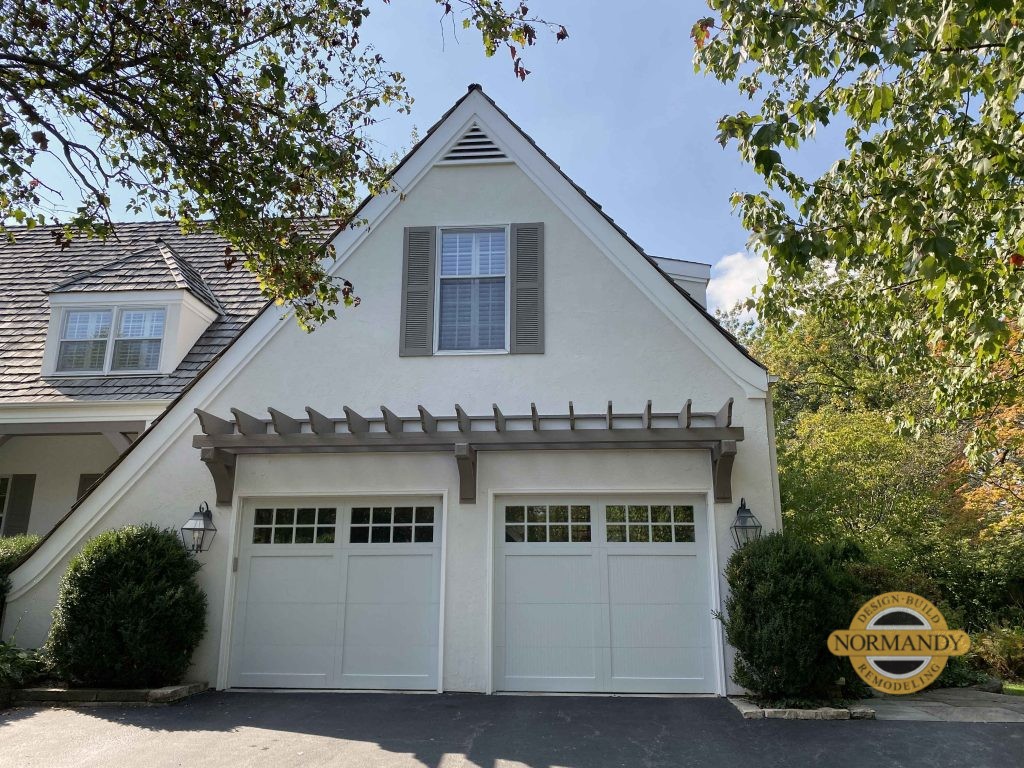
76, 697
751, 711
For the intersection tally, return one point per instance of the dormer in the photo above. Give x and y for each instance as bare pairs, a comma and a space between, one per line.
137, 315
691, 276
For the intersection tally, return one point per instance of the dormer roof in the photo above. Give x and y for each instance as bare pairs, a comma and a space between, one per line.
156, 267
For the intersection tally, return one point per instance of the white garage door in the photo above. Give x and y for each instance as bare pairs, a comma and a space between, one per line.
603, 595
338, 595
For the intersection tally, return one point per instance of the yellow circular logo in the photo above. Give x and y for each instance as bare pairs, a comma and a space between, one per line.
899, 643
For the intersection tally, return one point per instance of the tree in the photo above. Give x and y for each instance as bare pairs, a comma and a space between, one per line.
915, 235
252, 113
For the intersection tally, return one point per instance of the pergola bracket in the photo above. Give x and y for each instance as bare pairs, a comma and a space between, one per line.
465, 458
222, 468
463, 435
722, 457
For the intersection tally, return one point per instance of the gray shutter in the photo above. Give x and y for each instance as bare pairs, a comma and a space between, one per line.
19, 504
417, 331
85, 482
527, 275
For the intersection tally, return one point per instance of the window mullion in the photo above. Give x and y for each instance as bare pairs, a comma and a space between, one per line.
108, 355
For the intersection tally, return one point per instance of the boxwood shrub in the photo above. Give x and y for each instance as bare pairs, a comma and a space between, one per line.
786, 596
130, 611
12, 549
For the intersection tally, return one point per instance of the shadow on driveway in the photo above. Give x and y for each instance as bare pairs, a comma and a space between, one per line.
456, 730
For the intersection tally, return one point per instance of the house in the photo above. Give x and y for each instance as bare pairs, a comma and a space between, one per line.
514, 467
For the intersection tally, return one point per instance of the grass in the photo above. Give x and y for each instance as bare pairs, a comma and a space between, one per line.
1013, 689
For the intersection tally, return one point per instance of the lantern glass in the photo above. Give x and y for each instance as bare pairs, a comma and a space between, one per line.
198, 532
746, 527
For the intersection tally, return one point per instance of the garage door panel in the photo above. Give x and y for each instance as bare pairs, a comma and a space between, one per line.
391, 660
626, 612
655, 579
284, 579
551, 578
552, 662
335, 613
366, 623
388, 578
660, 626
300, 666
667, 664
294, 624
282, 680
551, 625
656, 626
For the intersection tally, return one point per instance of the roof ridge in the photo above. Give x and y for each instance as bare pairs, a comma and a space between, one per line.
193, 282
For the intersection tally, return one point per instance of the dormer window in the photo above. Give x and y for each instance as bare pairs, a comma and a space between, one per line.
137, 341
87, 345
83, 340
137, 315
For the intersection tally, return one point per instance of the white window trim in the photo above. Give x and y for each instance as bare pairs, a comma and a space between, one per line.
116, 312
185, 319
437, 290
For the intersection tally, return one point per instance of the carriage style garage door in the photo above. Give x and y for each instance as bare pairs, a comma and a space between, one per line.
338, 595
604, 595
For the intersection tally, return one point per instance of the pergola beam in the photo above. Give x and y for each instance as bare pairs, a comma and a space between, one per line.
463, 436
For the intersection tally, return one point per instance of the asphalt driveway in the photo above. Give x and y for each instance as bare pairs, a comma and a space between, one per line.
456, 730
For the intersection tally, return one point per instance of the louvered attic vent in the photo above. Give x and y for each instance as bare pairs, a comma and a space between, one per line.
474, 146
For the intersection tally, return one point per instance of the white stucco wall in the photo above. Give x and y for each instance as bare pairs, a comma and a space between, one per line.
57, 461
605, 340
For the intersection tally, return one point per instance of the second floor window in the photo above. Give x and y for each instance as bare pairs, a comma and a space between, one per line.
109, 340
471, 296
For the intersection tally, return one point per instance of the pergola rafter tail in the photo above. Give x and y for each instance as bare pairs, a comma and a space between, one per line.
463, 435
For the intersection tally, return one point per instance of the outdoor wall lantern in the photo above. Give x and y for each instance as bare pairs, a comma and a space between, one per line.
198, 531
745, 528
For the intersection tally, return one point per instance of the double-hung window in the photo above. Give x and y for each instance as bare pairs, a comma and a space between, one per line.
108, 340
472, 305
83, 340
137, 340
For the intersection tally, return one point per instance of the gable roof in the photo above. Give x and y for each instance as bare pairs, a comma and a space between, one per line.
597, 207
145, 256
259, 324
475, 130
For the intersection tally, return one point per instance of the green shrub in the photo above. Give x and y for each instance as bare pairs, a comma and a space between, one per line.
960, 672
19, 667
786, 597
130, 611
1002, 650
12, 549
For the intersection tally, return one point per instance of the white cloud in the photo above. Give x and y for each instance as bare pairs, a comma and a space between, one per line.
733, 279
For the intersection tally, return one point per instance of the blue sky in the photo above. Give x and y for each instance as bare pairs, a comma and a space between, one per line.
618, 106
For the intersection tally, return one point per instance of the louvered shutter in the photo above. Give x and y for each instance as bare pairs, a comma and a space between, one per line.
417, 332
527, 275
19, 504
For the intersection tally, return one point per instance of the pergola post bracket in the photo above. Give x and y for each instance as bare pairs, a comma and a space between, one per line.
222, 468
465, 457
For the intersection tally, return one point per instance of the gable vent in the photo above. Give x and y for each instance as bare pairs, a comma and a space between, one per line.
474, 146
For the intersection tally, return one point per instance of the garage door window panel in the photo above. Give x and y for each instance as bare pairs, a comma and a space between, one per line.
655, 523
392, 525
547, 523
291, 525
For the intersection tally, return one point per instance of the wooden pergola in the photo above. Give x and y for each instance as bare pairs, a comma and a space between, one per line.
463, 435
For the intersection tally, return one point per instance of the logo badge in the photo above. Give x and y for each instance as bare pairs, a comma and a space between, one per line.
898, 643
